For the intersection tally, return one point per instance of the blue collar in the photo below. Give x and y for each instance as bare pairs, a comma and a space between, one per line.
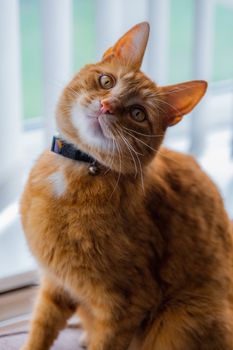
68, 150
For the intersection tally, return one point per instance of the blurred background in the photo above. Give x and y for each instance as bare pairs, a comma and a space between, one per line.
43, 43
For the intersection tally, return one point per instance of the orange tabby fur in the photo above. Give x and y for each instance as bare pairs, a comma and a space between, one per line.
144, 248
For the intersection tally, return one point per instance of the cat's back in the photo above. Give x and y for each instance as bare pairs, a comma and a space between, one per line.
189, 211
180, 178
184, 194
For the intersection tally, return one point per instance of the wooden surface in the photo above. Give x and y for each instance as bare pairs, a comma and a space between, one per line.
12, 337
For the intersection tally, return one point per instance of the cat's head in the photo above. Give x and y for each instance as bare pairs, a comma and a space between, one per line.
114, 112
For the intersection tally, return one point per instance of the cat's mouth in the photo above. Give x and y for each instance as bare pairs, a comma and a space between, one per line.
95, 125
101, 124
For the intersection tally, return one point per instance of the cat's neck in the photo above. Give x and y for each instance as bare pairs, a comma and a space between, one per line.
72, 159
68, 150
77, 181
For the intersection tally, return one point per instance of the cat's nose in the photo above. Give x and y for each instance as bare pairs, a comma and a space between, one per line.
106, 107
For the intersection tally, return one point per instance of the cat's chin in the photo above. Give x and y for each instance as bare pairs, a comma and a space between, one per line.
95, 127
89, 129
99, 134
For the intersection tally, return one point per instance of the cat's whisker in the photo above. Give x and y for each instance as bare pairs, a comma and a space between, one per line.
136, 152
131, 149
141, 172
75, 94
119, 173
110, 155
142, 178
153, 149
139, 133
139, 140
140, 166
108, 168
128, 147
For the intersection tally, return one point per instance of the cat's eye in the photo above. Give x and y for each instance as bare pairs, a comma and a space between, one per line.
106, 81
138, 114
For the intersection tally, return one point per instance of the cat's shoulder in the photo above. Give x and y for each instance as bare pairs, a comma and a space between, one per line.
174, 159
176, 181
176, 164
48, 176
179, 171
46, 164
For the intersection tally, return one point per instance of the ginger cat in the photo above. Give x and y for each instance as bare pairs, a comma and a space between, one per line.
138, 241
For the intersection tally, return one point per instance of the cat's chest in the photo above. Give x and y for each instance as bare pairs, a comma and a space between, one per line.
81, 229
82, 246
69, 233
63, 231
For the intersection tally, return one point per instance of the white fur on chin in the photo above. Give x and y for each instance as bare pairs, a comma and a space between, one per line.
86, 131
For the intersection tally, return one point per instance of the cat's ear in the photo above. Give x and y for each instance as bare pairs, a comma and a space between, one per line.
180, 99
107, 53
130, 48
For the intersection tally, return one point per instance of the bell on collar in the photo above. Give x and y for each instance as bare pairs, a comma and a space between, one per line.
93, 169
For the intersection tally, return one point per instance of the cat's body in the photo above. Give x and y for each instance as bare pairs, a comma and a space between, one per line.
147, 257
